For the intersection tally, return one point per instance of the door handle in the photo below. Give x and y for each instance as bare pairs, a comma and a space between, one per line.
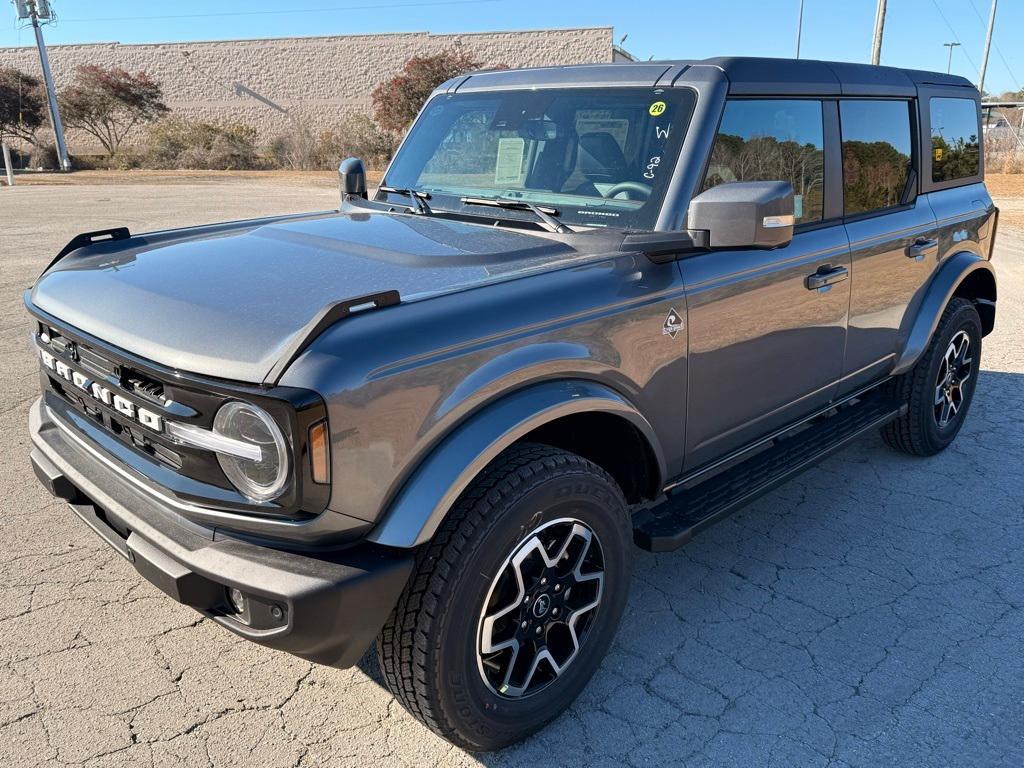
826, 276
922, 247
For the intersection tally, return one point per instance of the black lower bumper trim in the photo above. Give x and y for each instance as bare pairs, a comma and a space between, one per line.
326, 607
51, 477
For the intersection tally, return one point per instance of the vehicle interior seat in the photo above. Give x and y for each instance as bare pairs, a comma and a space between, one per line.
600, 160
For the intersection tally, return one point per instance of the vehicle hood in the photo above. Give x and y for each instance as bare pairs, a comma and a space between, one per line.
227, 304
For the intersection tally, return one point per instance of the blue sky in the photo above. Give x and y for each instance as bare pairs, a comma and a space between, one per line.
833, 29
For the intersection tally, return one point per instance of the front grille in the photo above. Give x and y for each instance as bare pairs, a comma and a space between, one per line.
93, 362
128, 419
128, 405
148, 388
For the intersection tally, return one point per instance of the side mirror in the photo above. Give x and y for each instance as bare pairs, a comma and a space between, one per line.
352, 178
744, 214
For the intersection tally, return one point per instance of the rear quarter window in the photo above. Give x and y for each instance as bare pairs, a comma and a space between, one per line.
956, 148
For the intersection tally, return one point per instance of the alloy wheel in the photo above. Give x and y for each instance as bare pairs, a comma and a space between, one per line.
540, 608
955, 370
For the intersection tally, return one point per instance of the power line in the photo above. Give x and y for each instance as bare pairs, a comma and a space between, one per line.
282, 12
956, 37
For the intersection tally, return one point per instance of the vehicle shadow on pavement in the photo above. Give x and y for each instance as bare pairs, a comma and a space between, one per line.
867, 612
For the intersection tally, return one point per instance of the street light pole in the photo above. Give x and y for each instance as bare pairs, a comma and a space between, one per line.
949, 62
988, 45
876, 45
51, 92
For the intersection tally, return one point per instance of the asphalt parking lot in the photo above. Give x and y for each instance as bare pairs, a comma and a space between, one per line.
870, 613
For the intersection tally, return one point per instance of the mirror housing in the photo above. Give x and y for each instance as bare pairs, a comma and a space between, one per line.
744, 214
352, 178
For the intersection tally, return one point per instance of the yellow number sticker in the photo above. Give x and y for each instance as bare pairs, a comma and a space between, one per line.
657, 108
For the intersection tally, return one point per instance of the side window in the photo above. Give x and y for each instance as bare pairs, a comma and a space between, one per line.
773, 140
955, 145
876, 153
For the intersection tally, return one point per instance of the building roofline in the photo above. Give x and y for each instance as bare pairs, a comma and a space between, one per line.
423, 33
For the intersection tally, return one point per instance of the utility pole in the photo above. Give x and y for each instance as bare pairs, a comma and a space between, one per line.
949, 63
876, 45
34, 10
799, 27
988, 44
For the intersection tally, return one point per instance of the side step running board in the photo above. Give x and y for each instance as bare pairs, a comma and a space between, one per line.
687, 511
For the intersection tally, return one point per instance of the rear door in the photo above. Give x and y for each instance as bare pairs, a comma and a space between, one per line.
765, 348
892, 231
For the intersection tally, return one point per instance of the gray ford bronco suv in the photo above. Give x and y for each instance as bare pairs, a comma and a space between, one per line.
586, 307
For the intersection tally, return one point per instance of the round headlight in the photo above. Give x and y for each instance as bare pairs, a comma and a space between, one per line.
262, 479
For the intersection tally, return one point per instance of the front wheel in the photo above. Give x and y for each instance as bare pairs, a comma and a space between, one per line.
939, 389
514, 602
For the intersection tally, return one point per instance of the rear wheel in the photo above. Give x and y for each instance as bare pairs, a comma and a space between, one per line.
939, 389
514, 602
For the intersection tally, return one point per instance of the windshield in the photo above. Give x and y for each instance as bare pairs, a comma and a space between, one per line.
597, 156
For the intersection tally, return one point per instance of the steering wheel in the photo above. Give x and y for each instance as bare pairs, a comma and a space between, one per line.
630, 186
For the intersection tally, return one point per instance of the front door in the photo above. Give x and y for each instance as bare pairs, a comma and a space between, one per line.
765, 350
766, 338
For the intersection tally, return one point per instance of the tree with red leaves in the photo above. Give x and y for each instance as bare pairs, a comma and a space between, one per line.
22, 104
109, 103
397, 101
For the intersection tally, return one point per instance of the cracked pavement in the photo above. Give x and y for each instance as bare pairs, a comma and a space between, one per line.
869, 613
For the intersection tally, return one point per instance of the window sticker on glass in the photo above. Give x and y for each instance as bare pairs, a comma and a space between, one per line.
798, 206
508, 169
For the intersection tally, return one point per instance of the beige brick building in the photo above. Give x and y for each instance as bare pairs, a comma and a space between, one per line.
319, 80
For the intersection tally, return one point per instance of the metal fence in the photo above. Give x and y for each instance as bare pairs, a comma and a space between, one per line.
1003, 125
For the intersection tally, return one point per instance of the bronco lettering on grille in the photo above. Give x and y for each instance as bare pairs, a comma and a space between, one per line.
102, 394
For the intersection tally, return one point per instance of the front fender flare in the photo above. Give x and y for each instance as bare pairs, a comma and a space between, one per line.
940, 291
425, 498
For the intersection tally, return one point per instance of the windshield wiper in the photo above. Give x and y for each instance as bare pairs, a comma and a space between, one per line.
546, 215
418, 198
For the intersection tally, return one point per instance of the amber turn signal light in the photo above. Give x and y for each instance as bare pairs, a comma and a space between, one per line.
320, 453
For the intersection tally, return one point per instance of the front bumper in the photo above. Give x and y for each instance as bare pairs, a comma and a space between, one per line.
326, 607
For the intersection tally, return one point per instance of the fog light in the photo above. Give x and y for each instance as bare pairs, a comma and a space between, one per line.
237, 599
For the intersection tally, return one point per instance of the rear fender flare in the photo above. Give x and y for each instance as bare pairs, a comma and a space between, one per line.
431, 490
940, 291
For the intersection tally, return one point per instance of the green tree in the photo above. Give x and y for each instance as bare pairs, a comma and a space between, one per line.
874, 174
22, 104
109, 103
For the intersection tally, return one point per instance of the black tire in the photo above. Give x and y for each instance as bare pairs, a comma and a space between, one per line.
428, 650
919, 432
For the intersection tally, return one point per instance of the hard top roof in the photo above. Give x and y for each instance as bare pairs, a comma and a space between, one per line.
746, 75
